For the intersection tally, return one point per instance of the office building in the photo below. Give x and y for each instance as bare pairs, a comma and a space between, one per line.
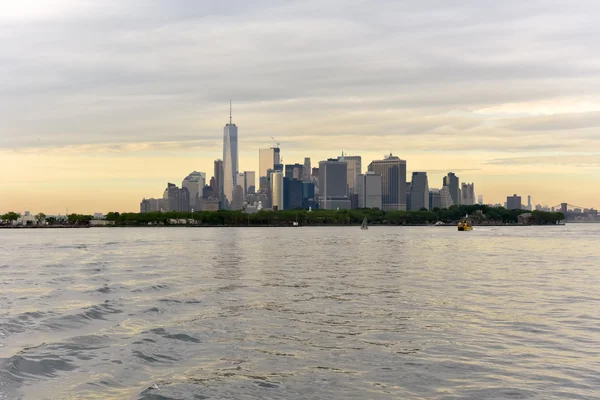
467, 192
480, 199
452, 182
354, 169
368, 189
171, 197
293, 171
419, 191
333, 186
194, 183
184, 200
308, 195
207, 193
306, 170
218, 175
237, 202
446, 198
293, 192
435, 199
276, 178
529, 206
249, 182
151, 205
230, 159
393, 182
267, 159
513, 202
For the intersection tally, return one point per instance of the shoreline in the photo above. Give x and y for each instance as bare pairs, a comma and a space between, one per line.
267, 226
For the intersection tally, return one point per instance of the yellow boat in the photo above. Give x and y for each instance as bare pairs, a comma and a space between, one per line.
465, 225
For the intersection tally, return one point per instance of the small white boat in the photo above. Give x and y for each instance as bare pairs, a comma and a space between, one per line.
364, 226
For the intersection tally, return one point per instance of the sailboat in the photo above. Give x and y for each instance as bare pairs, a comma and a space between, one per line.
295, 223
364, 226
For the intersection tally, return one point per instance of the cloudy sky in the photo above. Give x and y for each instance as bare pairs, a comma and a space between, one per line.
103, 102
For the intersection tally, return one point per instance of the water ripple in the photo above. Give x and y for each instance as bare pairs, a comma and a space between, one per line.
321, 313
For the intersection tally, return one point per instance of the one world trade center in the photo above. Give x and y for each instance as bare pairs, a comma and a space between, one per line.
230, 158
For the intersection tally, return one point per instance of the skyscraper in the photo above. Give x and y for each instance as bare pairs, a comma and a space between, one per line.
467, 193
445, 198
267, 158
306, 172
293, 192
368, 188
354, 169
333, 186
237, 202
419, 191
277, 190
230, 158
393, 182
452, 181
240, 181
249, 182
218, 189
194, 183
435, 199
480, 199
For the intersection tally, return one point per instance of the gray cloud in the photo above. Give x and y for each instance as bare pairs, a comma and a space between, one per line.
124, 73
577, 160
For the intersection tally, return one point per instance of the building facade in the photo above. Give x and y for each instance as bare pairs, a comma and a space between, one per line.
419, 191
249, 182
230, 160
467, 192
435, 199
513, 202
267, 159
354, 169
452, 182
333, 184
277, 190
446, 198
393, 182
306, 171
218, 175
293, 192
368, 188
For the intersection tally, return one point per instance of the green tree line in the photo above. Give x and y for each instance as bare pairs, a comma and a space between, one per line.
479, 214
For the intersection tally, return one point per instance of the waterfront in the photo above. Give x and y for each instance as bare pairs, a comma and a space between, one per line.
308, 313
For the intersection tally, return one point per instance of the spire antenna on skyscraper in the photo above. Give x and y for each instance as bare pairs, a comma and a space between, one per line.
229, 111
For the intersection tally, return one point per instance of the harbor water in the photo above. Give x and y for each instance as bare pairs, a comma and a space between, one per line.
300, 313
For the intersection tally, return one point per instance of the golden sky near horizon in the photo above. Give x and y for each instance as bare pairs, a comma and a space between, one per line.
103, 104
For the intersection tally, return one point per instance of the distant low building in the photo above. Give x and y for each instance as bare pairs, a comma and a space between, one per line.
525, 219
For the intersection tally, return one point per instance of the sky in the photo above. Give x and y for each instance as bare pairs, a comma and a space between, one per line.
104, 102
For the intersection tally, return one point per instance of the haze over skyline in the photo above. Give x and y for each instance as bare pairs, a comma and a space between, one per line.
103, 103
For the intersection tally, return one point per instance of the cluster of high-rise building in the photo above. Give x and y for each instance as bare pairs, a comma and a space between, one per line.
336, 183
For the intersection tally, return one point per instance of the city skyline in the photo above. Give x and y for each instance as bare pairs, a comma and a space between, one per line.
112, 115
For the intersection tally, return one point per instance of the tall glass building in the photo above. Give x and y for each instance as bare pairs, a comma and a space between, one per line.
393, 182
230, 159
